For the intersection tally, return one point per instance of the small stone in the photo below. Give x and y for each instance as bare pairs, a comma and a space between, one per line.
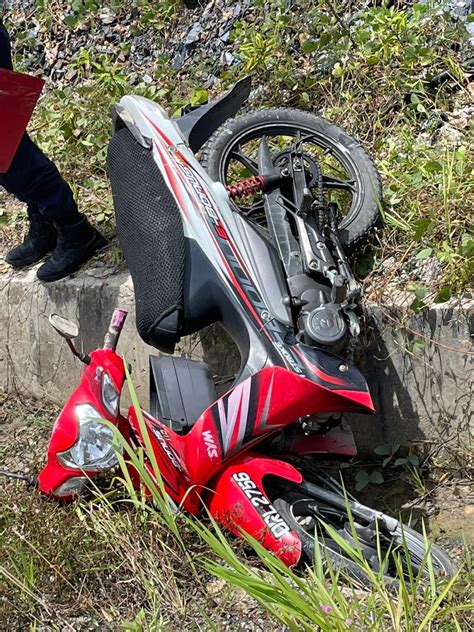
215, 587
450, 136
107, 16
469, 510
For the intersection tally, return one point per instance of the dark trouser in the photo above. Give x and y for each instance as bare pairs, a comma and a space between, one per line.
32, 177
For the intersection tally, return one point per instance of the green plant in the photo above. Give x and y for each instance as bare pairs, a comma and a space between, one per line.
368, 71
410, 464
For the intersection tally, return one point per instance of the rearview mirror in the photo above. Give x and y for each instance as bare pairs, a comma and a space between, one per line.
64, 327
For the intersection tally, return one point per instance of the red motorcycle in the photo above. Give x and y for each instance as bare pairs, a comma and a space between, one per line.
253, 236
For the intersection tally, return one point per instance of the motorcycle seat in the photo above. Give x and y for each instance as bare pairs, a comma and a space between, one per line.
151, 235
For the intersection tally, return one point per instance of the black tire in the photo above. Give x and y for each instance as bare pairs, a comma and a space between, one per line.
361, 217
294, 504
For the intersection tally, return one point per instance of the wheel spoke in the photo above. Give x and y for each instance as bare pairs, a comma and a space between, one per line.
335, 183
249, 163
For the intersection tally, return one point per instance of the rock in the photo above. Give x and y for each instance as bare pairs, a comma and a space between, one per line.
450, 136
107, 16
215, 587
427, 270
461, 119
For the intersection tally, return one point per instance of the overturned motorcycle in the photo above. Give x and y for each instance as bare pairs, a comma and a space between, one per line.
254, 235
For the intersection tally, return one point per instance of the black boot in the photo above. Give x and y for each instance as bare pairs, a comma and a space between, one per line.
40, 239
76, 244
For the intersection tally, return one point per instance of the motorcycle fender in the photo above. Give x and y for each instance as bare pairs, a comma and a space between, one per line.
198, 125
237, 500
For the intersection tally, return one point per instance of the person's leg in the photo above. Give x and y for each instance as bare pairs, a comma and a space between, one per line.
35, 179
5, 50
55, 222
41, 237
52, 211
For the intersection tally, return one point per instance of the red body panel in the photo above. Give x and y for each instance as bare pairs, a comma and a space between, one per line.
65, 429
338, 440
257, 407
237, 500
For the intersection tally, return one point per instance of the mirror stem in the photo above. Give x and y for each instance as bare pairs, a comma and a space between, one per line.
83, 357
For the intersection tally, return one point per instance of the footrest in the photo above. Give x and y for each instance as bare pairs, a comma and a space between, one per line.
180, 391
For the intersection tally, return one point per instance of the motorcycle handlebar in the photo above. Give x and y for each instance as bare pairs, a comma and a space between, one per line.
115, 328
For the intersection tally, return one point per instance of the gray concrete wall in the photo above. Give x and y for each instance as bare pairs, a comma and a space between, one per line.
36, 361
421, 383
422, 392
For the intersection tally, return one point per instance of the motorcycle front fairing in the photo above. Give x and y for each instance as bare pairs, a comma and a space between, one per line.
255, 408
96, 398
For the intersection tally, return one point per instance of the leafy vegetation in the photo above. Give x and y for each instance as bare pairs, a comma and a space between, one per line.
120, 562
372, 71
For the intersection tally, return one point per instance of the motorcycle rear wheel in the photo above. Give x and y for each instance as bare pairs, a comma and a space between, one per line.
304, 514
350, 176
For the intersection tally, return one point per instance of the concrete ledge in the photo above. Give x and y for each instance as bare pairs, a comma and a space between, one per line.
34, 360
422, 386
420, 375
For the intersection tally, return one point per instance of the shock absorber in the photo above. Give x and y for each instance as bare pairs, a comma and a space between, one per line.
246, 188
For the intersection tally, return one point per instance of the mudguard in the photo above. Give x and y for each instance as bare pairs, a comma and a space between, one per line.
198, 125
237, 500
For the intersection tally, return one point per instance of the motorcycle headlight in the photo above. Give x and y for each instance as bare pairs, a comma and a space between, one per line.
110, 395
94, 448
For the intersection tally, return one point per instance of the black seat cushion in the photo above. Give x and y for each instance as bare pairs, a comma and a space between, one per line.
150, 232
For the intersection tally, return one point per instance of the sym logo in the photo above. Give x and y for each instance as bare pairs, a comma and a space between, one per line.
211, 447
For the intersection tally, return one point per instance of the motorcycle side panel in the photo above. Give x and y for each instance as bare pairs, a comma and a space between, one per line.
237, 500
257, 407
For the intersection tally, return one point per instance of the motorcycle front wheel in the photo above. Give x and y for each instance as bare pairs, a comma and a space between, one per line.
349, 176
377, 538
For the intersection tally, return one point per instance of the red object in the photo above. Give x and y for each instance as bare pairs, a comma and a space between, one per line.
65, 430
18, 96
246, 188
215, 461
238, 501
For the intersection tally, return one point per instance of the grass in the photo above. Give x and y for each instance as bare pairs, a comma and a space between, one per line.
370, 73
114, 560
